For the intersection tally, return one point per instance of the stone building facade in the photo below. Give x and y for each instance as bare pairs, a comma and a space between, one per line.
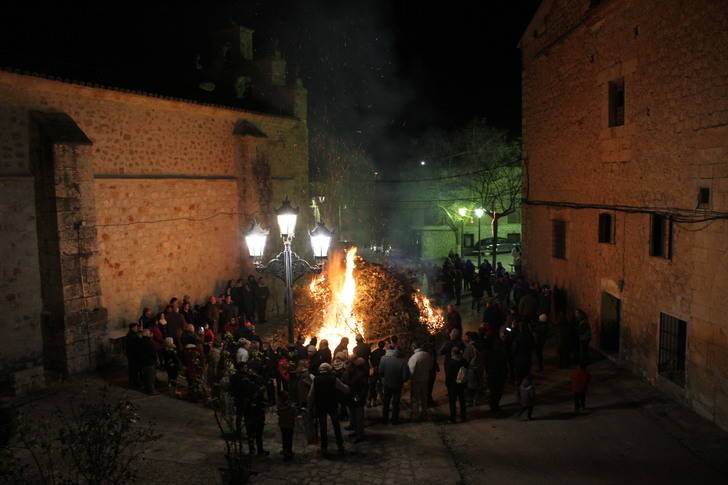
111, 201
625, 137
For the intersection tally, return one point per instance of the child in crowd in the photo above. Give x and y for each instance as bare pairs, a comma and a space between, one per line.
580, 378
171, 364
286, 421
527, 396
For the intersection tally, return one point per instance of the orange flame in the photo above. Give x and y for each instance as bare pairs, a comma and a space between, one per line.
339, 318
432, 318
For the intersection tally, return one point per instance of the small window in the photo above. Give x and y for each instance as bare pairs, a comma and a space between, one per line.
606, 228
661, 236
704, 197
559, 239
468, 240
673, 344
616, 103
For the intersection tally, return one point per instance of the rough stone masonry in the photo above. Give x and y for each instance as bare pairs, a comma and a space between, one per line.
625, 105
111, 201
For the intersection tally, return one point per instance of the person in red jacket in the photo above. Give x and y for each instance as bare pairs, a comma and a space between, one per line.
579, 382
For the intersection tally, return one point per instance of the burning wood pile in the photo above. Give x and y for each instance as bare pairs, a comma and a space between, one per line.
354, 296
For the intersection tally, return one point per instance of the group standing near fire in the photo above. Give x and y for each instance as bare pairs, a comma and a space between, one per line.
218, 352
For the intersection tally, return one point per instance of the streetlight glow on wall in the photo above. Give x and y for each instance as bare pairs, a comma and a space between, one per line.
287, 265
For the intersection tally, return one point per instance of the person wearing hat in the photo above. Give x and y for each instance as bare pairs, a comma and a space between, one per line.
171, 363
322, 399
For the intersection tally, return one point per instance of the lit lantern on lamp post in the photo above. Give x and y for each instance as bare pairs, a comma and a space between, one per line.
287, 265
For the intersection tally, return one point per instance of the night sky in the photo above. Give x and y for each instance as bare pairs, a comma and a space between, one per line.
380, 73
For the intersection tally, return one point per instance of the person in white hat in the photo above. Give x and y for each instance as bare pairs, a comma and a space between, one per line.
171, 363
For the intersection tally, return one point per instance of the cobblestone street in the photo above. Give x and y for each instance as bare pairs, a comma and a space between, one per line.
630, 433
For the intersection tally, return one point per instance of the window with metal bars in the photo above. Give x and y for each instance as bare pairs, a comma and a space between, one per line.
559, 239
673, 345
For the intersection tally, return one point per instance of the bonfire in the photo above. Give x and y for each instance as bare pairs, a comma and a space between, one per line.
354, 296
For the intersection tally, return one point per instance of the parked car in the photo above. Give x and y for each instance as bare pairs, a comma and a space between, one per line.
503, 245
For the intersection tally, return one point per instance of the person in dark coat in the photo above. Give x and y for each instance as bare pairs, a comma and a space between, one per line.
454, 341
133, 350
496, 366
261, 299
493, 317
476, 290
249, 302
147, 361
484, 272
211, 314
456, 387
457, 278
453, 320
287, 423
362, 348
147, 318
248, 392
175, 323
544, 301
432, 350
187, 313
521, 351
171, 363
566, 333
322, 398
528, 306
357, 378
394, 372
375, 382
228, 311
322, 356
236, 292
342, 347
255, 414
540, 333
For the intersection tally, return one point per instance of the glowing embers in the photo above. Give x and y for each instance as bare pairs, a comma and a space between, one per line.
432, 318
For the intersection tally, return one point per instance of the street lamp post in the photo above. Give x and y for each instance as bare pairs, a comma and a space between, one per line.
287, 265
463, 212
479, 214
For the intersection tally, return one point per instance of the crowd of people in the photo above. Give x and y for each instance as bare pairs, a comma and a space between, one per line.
217, 349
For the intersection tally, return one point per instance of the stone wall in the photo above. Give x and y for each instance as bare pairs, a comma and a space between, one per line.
143, 262
674, 140
151, 207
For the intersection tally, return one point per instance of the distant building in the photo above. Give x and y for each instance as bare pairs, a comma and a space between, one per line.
113, 200
625, 141
427, 225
